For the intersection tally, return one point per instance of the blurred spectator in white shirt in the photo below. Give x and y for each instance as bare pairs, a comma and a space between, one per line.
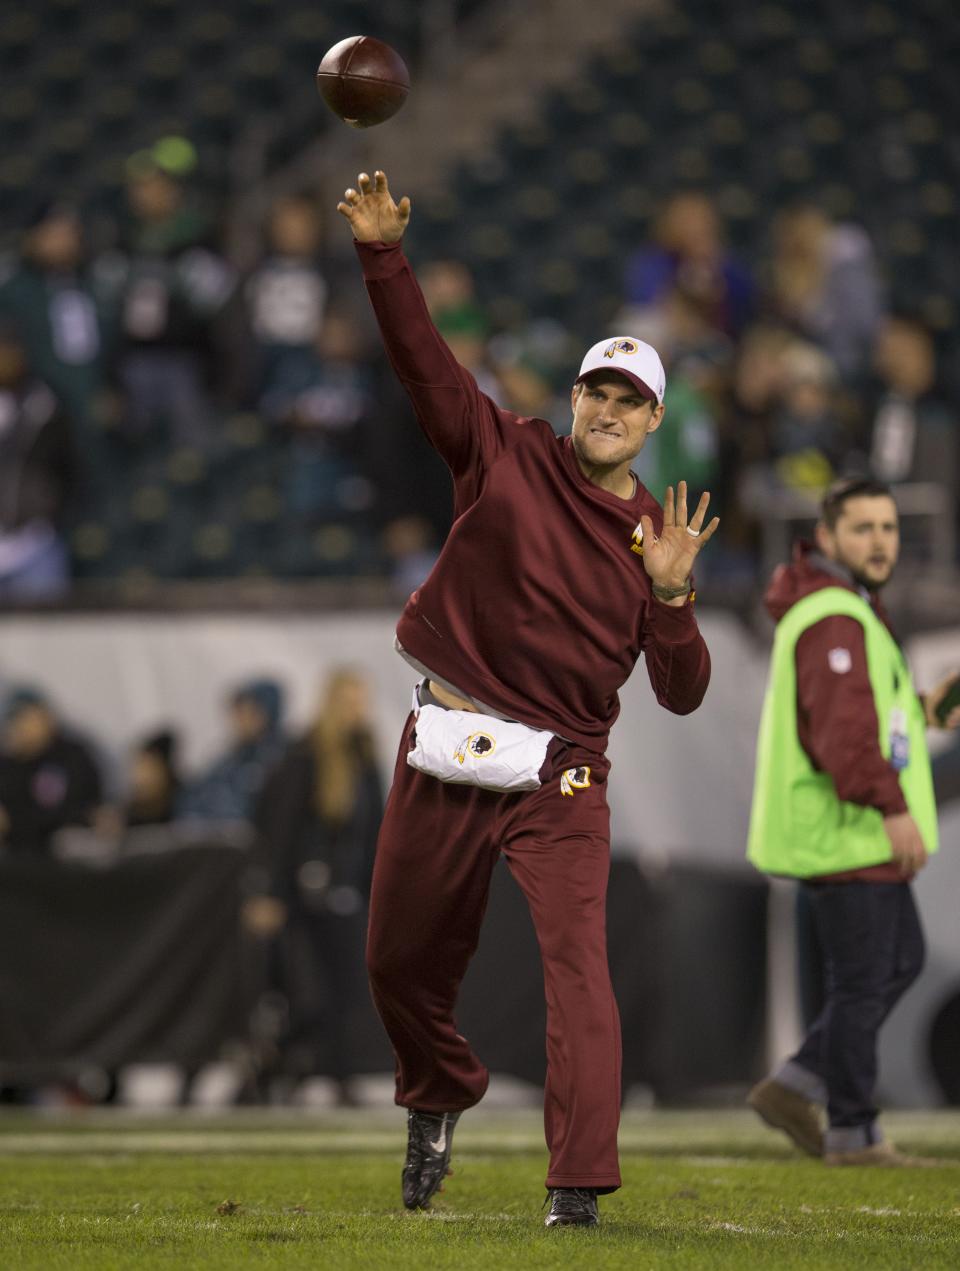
911, 433
168, 286
287, 293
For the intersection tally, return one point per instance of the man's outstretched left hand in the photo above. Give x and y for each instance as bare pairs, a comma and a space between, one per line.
669, 559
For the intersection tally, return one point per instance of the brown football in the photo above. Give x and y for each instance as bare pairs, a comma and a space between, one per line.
363, 80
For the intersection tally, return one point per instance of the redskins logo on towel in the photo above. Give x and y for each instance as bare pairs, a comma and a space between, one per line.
574, 779
480, 745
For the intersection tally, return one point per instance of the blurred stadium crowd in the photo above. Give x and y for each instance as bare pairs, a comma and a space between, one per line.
772, 208
165, 413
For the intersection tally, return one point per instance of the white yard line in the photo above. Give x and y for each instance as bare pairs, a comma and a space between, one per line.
741, 1230
708, 1138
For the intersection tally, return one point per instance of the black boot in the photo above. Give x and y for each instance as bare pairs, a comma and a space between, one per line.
429, 1141
572, 1207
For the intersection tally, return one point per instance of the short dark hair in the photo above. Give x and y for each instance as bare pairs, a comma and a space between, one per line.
850, 488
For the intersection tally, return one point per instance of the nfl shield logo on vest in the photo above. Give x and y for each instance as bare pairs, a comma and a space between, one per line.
839, 661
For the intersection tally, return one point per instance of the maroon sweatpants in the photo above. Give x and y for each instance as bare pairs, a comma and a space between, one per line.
435, 855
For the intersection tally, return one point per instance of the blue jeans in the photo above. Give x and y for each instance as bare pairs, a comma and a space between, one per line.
873, 949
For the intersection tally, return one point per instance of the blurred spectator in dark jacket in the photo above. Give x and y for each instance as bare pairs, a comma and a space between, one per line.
911, 434
228, 790
318, 818
745, 424
410, 546
286, 294
48, 778
153, 781
168, 286
450, 293
795, 435
688, 252
823, 282
36, 475
325, 401
49, 295
809, 441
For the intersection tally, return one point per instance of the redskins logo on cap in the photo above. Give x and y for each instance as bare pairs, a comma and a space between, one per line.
620, 346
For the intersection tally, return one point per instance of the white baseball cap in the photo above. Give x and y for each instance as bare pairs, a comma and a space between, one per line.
639, 362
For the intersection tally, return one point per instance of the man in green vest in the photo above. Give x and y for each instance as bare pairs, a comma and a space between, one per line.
843, 801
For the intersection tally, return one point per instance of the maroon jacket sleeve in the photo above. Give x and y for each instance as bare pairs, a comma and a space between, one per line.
836, 716
465, 426
678, 662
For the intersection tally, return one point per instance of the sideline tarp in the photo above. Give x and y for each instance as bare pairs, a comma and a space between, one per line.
109, 964
144, 960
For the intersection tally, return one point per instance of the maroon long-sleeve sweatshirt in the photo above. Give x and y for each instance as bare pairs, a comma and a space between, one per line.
836, 715
538, 605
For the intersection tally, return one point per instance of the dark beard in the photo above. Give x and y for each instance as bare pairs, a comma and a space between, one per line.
869, 584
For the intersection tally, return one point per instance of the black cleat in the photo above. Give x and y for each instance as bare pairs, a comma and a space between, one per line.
429, 1141
572, 1207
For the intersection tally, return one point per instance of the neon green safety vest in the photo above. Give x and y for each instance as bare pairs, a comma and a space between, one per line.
798, 824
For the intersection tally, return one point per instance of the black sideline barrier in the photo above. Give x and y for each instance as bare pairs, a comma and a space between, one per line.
944, 1048
137, 960
143, 960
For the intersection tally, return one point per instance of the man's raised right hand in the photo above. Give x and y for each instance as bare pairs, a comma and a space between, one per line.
371, 211
908, 850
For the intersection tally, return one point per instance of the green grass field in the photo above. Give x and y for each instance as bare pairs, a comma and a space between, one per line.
701, 1190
